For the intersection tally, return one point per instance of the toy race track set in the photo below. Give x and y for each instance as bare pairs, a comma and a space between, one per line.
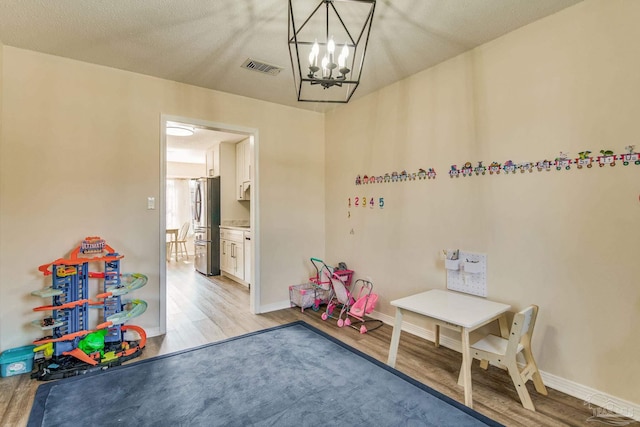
71, 346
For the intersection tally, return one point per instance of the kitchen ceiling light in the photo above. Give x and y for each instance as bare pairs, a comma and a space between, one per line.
347, 22
175, 130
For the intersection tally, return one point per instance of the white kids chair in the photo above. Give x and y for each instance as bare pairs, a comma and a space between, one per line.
503, 352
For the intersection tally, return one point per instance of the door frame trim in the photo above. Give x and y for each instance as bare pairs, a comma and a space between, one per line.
254, 217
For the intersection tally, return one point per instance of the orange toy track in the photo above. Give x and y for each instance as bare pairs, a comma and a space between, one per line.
71, 304
143, 338
104, 325
81, 355
45, 267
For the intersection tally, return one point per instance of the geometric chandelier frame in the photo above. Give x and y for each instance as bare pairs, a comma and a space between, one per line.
327, 46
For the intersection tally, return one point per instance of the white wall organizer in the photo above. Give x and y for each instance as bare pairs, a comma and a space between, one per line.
452, 264
471, 277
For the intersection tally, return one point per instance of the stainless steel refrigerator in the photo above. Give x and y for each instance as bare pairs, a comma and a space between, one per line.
205, 208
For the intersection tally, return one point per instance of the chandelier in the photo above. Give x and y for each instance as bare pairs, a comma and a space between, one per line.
327, 50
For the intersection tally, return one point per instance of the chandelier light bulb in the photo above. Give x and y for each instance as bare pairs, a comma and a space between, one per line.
342, 59
325, 68
345, 52
331, 47
315, 49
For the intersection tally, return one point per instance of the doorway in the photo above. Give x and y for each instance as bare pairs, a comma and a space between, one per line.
224, 133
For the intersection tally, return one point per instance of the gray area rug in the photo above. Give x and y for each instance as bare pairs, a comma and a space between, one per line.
291, 375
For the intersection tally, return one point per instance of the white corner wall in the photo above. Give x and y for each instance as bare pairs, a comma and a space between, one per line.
565, 240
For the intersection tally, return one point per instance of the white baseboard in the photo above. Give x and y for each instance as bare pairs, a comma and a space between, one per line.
152, 332
234, 278
588, 395
591, 397
274, 306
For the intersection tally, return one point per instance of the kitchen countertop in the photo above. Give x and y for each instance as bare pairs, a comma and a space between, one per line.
237, 227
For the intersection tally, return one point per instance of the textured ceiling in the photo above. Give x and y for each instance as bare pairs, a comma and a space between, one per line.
203, 43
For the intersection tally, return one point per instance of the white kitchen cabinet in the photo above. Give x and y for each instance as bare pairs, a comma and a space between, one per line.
213, 162
225, 255
237, 260
243, 169
232, 252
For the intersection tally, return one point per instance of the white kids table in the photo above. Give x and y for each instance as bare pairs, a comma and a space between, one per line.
451, 310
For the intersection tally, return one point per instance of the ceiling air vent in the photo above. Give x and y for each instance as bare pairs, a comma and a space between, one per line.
261, 67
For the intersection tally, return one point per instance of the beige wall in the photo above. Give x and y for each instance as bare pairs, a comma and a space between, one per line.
567, 241
80, 154
3, 181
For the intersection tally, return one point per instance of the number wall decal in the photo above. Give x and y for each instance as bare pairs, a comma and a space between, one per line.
366, 202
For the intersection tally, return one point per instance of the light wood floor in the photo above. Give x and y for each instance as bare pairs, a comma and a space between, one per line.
202, 310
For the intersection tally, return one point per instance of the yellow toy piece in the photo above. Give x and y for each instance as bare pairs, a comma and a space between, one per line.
108, 357
47, 349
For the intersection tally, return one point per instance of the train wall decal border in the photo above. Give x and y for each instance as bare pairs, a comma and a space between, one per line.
396, 177
562, 162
